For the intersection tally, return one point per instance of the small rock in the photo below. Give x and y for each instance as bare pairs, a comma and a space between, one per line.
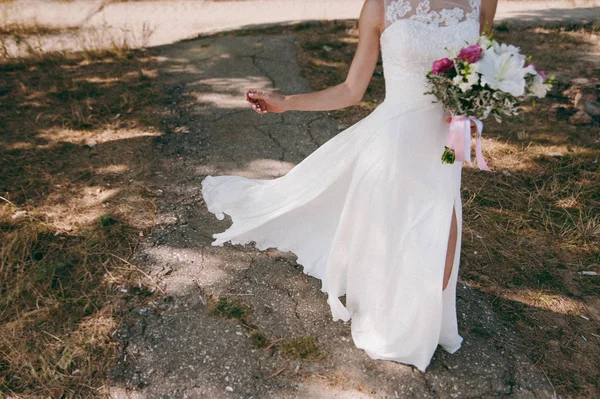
327, 48
580, 118
229, 389
583, 96
91, 144
592, 108
18, 214
580, 81
341, 127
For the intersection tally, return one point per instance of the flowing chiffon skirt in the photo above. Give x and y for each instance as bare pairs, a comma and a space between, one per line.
368, 213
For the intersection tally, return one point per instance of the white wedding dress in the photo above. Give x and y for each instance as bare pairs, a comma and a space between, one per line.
369, 212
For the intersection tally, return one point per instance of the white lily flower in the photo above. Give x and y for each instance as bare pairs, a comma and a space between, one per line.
506, 48
503, 72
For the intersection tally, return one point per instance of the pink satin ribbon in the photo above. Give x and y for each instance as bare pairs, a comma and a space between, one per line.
459, 139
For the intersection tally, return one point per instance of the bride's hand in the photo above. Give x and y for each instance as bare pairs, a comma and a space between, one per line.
263, 101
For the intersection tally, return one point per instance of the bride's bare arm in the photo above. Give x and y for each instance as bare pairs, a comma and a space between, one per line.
486, 18
345, 94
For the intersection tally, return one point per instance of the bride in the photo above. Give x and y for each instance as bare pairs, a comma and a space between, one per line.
373, 213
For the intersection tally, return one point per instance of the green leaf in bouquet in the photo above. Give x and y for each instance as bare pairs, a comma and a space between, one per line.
448, 156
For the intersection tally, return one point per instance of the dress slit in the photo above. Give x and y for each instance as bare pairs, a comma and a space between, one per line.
453, 215
449, 338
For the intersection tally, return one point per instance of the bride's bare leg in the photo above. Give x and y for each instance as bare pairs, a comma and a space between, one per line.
451, 251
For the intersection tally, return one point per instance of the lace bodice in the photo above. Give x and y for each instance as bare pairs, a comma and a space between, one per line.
433, 12
417, 33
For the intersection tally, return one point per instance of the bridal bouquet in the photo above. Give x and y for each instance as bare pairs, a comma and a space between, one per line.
483, 79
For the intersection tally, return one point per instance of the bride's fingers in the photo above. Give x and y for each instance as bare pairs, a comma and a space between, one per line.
258, 106
250, 94
258, 100
259, 95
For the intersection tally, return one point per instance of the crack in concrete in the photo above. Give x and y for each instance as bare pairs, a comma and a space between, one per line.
309, 131
281, 121
202, 249
274, 140
232, 287
255, 57
230, 114
196, 280
295, 301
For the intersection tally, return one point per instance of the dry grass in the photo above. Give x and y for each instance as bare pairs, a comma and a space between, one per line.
532, 225
75, 158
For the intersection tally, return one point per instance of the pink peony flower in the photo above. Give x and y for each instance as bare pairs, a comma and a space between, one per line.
443, 66
471, 54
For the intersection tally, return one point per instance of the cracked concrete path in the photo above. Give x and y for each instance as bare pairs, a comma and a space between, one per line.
174, 348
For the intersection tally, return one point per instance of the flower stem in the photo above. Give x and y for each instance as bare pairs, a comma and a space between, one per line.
448, 156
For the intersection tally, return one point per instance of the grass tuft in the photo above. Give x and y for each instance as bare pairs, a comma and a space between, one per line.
240, 311
231, 309
302, 348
